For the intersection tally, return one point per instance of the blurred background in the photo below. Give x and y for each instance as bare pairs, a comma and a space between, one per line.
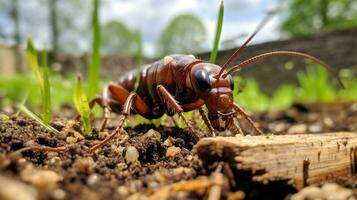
134, 32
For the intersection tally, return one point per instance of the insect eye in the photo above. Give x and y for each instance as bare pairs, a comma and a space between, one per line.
203, 80
231, 82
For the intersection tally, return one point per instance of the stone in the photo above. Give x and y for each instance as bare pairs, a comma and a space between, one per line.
172, 151
131, 154
16, 190
42, 179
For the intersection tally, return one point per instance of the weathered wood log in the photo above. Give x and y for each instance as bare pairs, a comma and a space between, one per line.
301, 160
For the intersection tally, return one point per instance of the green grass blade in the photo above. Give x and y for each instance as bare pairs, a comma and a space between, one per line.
218, 33
94, 68
138, 57
31, 56
81, 103
46, 104
23, 109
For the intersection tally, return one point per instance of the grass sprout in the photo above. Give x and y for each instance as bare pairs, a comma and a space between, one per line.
26, 111
42, 80
81, 103
217, 37
94, 67
316, 86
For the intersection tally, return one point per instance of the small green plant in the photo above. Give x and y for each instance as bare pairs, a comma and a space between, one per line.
81, 103
217, 37
315, 85
23, 109
282, 97
43, 81
251, 96
94, 67
350, 92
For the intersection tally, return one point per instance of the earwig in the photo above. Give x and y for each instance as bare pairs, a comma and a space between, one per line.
182, 83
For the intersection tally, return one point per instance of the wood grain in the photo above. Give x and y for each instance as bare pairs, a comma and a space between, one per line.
301, 160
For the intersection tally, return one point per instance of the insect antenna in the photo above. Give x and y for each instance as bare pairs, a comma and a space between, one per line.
234, 55
284, 53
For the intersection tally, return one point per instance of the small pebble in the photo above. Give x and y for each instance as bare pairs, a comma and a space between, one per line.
22, 161
103, 135
92, 179
277, 127
189, 158
153, 135
328, 122
153, 185
45, 180
178, 171
297, 129
131, 154
123, 191
336, 192
308, 193
172, 151
59, 194
354, 107
15, 190
315, 128
167, 143
71, 140
56, 161
85, 165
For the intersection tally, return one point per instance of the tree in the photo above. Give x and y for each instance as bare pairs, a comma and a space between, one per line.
52, 6
184, 34
118, 38
307, 17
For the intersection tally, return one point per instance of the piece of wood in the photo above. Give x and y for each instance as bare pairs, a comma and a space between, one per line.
301, 160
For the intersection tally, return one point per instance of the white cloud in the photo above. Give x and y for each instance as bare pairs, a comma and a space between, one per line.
151, 16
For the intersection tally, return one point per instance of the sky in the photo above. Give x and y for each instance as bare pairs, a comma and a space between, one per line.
151, 16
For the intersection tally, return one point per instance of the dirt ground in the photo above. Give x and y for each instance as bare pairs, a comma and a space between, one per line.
145, 162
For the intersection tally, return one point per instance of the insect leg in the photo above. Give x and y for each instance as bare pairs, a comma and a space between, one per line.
207, 122
106, 108
245, 115
120, 94
171, 103
125, 112
107, 105
129, 100
236, 126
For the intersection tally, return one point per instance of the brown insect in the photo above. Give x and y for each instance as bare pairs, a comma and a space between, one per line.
177, 84
181, 83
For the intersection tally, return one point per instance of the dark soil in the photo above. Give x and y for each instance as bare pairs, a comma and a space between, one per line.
107, 174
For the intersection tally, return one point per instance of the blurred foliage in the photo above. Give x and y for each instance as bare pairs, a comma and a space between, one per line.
251, 96
303, 17
117, 38
186, 33
314, 85
93, 72
41, 78
14, 89
66, 20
